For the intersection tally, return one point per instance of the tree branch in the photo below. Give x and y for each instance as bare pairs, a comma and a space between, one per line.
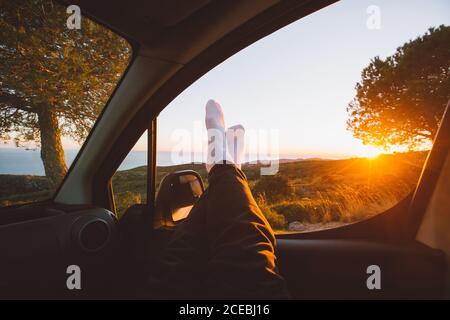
14, 101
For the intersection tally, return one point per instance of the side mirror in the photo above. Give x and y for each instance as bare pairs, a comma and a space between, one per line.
177, 193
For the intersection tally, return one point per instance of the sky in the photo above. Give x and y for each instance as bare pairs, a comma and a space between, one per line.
294, 85
299, 80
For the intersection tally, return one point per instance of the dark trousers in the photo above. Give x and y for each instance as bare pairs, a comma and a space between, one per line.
225, 249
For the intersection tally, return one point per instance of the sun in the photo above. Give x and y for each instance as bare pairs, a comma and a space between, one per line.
370, 152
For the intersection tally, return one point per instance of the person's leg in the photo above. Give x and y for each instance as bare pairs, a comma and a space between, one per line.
226, 247
241, 261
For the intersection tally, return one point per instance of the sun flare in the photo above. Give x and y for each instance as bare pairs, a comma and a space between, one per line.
371, 152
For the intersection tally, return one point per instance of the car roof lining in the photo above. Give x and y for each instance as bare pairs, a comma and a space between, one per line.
176, 30
151, 16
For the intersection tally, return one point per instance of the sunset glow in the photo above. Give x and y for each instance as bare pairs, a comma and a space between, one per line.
371, 152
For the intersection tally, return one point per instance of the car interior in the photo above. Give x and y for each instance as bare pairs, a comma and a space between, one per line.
171, 50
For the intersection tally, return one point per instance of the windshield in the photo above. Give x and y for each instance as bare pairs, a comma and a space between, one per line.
57, 71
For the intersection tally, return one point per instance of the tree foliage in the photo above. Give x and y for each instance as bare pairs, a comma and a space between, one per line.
54, 81
400, 100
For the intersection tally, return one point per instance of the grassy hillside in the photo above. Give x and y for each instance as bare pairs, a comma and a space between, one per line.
308, 194
17, 189
303, 195
319, 194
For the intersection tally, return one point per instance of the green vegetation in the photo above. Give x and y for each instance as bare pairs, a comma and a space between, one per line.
327, 193
308, 194
19, 189
304, 195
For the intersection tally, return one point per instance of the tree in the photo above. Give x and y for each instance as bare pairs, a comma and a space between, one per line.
400, 100
53, 81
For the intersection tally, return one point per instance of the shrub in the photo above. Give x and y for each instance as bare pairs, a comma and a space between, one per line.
310, 211
293, 212
274, 188
276, 221
125, 200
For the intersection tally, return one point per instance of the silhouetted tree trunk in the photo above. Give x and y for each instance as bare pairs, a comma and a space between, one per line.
52, 153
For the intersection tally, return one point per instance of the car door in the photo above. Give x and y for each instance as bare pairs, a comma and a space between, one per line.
46, 247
